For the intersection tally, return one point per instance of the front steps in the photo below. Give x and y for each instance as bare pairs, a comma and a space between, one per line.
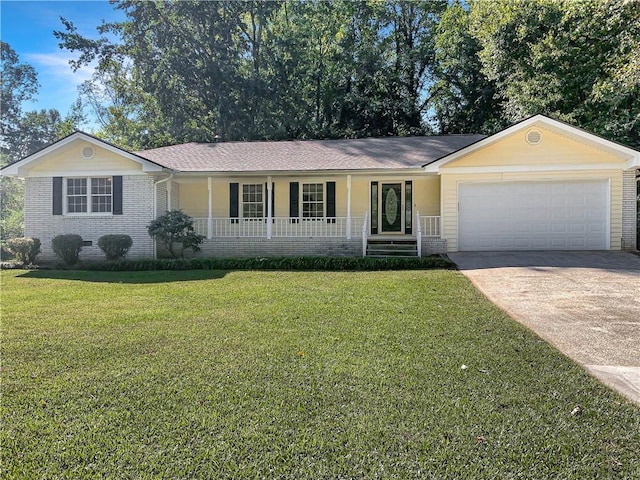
392, 247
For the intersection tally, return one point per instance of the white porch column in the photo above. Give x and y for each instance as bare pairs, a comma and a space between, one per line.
348, 207
169, 195
269, 204
210, 211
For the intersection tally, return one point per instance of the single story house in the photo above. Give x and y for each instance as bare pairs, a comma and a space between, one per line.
540, 184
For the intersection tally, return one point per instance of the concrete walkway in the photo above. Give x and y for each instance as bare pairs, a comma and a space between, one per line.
587, 304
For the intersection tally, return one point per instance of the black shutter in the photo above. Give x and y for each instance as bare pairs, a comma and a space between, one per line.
117, 194
233, 201
331, 201
374, 208
294, 192
408, 207
57, 195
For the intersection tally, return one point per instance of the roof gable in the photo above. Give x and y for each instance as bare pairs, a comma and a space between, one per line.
113, 158
611, 150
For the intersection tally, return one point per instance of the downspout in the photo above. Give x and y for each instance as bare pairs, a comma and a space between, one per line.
155, 208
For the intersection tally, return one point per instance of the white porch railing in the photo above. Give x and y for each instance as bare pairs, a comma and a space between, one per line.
335, 227
427, 226
430, 226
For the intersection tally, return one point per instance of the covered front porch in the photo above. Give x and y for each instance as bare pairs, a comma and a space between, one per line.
311, 215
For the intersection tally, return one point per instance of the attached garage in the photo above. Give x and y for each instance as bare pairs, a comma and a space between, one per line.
542, 215
538, 185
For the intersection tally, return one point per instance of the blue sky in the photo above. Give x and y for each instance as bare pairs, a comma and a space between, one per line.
28, 27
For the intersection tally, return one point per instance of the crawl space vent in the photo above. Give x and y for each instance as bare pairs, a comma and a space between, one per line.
88, 152
534, 137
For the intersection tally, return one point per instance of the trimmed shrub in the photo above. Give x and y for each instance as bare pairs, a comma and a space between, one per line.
67, 247
115, 247
5, 253
278, 263
175, 228
24, 249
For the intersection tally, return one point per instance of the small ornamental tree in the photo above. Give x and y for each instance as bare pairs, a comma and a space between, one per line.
67, 247
176, 228
115, 247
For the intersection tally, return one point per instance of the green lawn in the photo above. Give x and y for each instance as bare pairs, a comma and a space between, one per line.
207, 374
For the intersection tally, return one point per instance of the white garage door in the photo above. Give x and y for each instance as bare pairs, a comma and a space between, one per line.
533, 215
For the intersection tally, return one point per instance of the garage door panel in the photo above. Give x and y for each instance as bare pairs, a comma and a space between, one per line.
533, 215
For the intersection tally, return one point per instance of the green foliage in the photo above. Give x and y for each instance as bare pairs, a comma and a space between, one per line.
175, 227
464, 99
573, 60
24, 133
11, 208
67, 247
24, 249
19, 85
115, 247
276, 263
259, 70
341, 69
37, 129
5, 253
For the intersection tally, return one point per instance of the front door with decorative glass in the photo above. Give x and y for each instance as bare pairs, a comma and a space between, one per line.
391, 208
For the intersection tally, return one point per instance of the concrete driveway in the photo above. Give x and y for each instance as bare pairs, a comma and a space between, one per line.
587, 304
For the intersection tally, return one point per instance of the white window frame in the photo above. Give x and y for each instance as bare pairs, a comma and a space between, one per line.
242, 201
89, 196
323, 202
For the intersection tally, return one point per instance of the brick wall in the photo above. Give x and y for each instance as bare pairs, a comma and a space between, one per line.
162, 197
432, 246
257, 247
137, 206
333, 247
629, 214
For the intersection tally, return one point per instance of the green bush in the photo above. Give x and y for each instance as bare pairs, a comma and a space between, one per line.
67, 247
175, 227
115, 247
5, 253
24, 249
277, 263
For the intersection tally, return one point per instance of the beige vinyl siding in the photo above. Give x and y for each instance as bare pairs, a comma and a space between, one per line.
450, 183
194, 199
193, 193
556, 158
69, 161
553, 149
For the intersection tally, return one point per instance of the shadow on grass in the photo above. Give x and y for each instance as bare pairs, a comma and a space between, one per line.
153, 276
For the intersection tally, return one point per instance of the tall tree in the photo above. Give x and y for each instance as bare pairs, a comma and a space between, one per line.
23, 133
565, 58
464, 100
244, 70
413, 31
19, 84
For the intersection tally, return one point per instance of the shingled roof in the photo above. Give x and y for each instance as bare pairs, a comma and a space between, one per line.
309, 155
